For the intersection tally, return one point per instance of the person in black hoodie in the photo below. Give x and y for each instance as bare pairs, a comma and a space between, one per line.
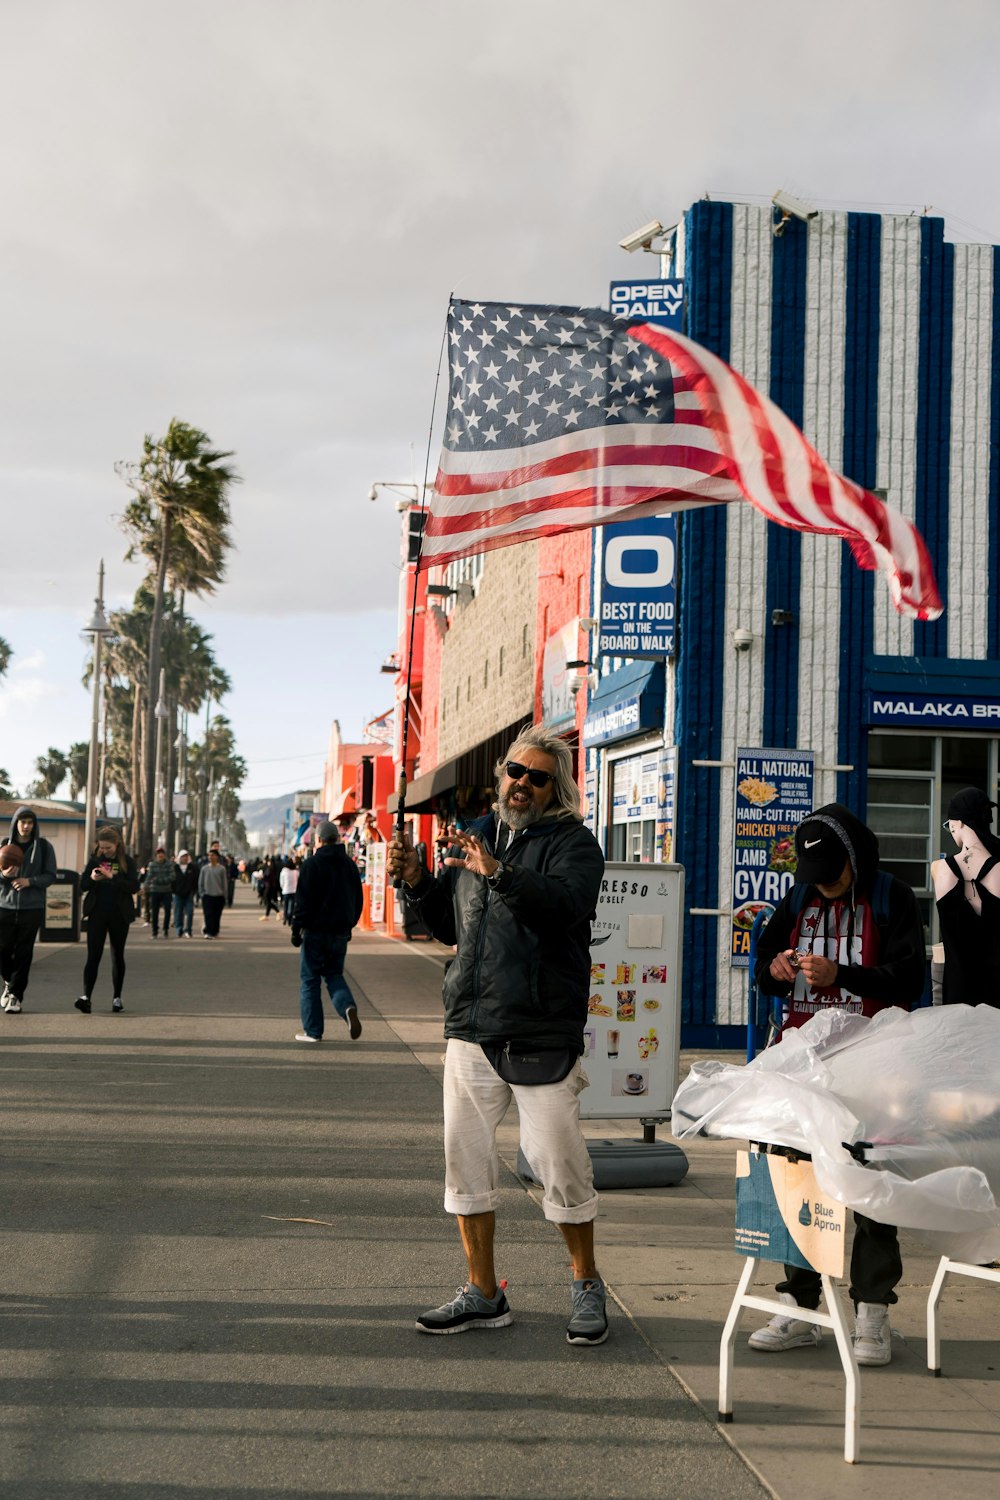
22, 905
328, 904
109, 883
848, 935
185, 890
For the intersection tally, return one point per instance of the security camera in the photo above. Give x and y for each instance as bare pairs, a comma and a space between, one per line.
794, 206
640, 239
373, 493
742, 639
587, 622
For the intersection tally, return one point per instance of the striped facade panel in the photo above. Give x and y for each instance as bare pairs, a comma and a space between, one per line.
993, 540
898, 388
789, 282
819, 599
968, 577
748, 536
937, 261
701, 625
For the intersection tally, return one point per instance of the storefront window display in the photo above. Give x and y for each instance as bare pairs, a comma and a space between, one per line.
911, 779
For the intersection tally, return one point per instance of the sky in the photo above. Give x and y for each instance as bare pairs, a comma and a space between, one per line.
250, 214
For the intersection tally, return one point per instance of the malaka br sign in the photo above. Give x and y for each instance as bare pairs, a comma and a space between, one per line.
932, 710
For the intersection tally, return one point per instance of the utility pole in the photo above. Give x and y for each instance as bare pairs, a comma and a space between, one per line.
97, 629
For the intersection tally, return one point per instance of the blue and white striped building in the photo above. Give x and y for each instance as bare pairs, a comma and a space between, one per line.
880, 339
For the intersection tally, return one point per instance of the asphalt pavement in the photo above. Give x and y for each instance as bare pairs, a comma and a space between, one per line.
215, 1240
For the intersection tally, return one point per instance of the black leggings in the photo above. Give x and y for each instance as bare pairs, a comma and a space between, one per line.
99, 928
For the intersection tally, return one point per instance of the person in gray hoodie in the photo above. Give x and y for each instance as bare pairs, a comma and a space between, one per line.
22, 906
213, 887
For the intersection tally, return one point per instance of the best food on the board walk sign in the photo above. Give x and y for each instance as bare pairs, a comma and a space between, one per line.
773, 793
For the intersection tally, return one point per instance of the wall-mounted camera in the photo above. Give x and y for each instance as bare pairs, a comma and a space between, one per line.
742, 639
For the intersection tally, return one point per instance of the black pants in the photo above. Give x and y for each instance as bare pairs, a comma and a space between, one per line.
103, 926
876, 1268
18, 930
159, 901
212, 909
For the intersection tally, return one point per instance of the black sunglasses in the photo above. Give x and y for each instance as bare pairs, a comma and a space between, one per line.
537, 778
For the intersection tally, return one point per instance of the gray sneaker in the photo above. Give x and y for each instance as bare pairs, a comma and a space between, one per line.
470, 1309
588, 1323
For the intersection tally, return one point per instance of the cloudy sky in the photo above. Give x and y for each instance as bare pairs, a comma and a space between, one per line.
250, 214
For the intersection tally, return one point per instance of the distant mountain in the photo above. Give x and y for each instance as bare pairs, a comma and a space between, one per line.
261, 813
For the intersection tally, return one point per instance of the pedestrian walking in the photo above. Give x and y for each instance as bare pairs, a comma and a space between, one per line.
109, 884
288, 881
185, 889
232, 871
213, 884
517, 897
850, 936
328, 902
24, 879
270, 888
159, 887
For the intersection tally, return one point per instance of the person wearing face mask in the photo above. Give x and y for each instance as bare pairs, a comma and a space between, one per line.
967, 890
517, 896
848, 935
22, 904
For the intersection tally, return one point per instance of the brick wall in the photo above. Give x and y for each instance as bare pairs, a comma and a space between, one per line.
487, 672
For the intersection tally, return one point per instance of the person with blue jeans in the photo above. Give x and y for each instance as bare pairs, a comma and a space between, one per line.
328, 904
185, 888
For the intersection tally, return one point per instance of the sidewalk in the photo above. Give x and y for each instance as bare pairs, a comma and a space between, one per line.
214, 1242
668, 1255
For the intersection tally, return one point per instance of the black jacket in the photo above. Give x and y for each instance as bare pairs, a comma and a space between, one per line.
899, 975
186, 880
328, 897
122, 887
522, 968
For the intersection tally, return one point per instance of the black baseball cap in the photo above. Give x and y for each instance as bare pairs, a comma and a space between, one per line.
821, 854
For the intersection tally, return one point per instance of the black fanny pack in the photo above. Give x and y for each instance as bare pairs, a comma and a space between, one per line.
529, 1066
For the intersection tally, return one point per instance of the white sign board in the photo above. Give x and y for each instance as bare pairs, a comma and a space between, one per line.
375, 879
633, 1029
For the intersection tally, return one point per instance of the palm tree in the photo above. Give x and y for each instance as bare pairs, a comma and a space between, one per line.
77, 766
52, 769
5, 655
180, 521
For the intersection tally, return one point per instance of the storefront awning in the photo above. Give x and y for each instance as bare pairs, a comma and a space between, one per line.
473, 768
347, 802
421, 792
627, 702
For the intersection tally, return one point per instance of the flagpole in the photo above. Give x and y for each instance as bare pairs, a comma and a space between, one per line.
401, 787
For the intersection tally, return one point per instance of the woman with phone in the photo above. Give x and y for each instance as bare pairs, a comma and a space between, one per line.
109, 884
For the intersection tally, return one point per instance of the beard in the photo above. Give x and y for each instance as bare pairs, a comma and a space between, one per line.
517, 817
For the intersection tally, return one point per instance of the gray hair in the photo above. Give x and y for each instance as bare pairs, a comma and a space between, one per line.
566, 794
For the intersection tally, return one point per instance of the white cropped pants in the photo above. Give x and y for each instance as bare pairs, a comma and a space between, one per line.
476, 1100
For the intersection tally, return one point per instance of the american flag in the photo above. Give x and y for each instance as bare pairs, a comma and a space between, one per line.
562, 417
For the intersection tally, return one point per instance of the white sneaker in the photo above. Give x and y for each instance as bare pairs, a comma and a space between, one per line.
303, 1036
117, 1004
12, 1004
784, 1332
5, 996
872, 1334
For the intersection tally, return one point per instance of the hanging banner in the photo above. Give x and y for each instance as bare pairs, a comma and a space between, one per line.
638, 592
665, 806
773, 793
632, 1036
375, 880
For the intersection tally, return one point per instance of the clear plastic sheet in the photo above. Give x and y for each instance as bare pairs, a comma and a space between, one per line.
923, 1088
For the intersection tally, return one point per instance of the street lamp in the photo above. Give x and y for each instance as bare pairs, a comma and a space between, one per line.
98, 629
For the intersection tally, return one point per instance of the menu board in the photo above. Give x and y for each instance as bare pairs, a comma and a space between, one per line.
774, 793
632, 1032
